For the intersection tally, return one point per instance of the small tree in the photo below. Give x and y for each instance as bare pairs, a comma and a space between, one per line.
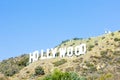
39, 70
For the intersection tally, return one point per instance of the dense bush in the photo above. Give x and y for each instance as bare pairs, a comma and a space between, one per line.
39, 70
23, 61
59, 75
77, 38
65, 41
62, 61
116, 39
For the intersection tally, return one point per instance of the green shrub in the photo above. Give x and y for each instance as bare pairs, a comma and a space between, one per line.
92, 69
59, 75
96, 44
64, 44
112, 34
65, 41
62, 61
103, 37
39, 70
89, 38
88, 64
116, 39
103, 53
77, 38
23, 61
27, 71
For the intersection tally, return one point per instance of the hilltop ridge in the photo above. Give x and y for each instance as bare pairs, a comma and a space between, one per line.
101, 59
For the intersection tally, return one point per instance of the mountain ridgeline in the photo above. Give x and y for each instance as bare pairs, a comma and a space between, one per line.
100, 62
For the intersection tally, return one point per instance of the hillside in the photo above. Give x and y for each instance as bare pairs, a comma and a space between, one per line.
12, 65
101, 61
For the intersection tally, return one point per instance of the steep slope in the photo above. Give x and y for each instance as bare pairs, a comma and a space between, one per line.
12, 66
101, 61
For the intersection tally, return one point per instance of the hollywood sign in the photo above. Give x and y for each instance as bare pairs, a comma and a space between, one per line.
52, 53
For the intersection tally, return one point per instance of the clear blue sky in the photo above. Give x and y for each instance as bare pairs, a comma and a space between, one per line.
29, 25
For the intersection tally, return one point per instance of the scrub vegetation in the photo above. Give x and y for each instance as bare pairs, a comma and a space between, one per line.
100, 62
